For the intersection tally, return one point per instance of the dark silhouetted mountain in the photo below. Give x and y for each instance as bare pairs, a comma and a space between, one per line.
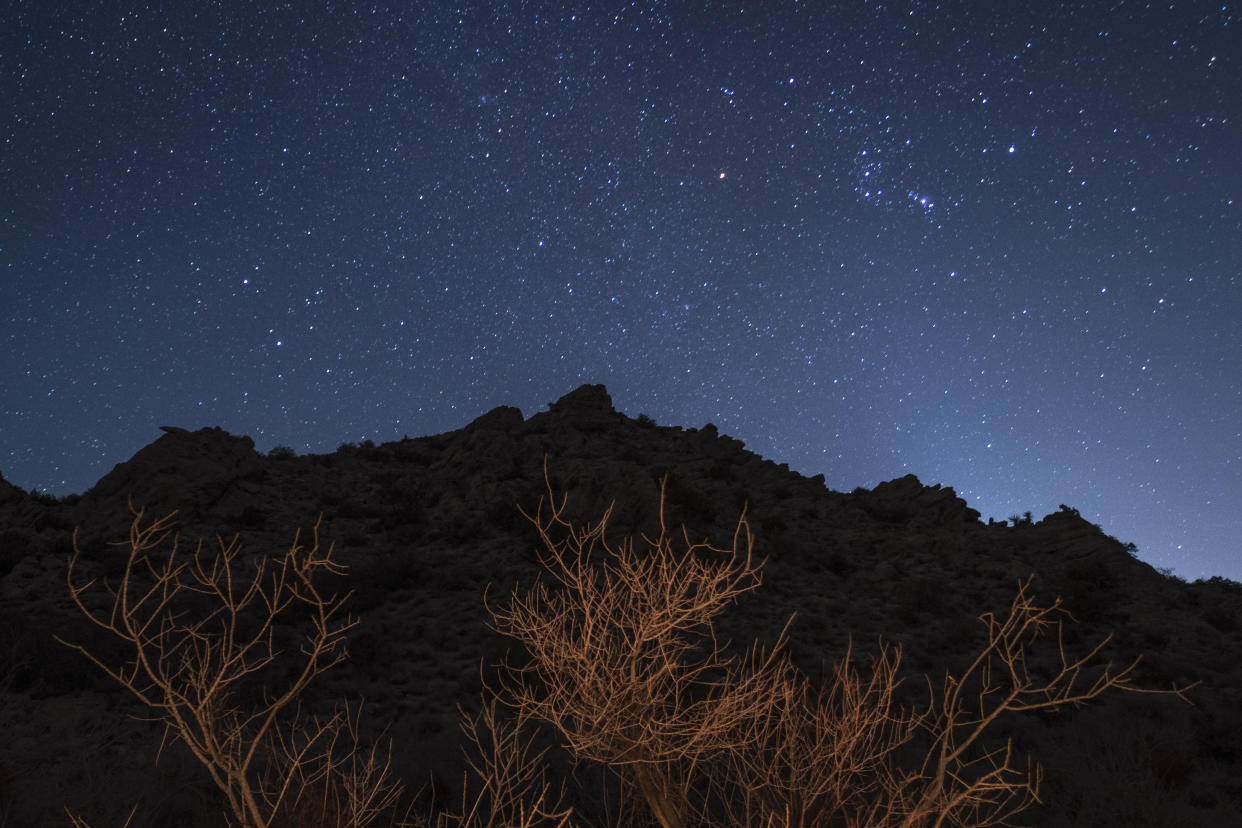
426, 524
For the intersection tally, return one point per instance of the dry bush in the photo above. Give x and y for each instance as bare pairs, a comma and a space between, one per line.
614, 667
815, 754
198, 629
512, 789
317, 775
625, 665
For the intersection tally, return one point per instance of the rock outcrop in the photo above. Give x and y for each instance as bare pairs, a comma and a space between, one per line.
906, 500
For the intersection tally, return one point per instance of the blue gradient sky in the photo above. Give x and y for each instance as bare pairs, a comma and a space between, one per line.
995, 248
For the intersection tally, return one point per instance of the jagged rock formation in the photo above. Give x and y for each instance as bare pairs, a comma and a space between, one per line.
426, 524
907, 501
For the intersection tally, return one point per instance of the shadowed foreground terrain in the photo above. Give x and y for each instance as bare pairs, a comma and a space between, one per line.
426, 525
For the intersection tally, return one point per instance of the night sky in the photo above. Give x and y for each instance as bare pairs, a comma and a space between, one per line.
994, 247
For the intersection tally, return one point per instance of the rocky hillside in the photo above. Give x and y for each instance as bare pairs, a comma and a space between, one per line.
427, 524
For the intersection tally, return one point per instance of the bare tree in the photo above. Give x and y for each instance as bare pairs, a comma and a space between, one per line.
615, 664
196, 627
624, 663
837, 756
821, 756
961, 782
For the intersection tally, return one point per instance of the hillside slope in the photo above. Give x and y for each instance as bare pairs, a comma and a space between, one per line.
426, 524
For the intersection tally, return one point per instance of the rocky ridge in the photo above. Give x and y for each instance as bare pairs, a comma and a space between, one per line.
427, 524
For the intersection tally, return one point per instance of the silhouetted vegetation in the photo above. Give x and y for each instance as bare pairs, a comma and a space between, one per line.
620, 658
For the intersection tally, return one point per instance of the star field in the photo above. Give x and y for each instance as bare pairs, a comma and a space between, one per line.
993, 247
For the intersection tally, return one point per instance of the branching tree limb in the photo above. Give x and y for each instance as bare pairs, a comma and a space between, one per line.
615, 667
512, 788
961, 783
196, 626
